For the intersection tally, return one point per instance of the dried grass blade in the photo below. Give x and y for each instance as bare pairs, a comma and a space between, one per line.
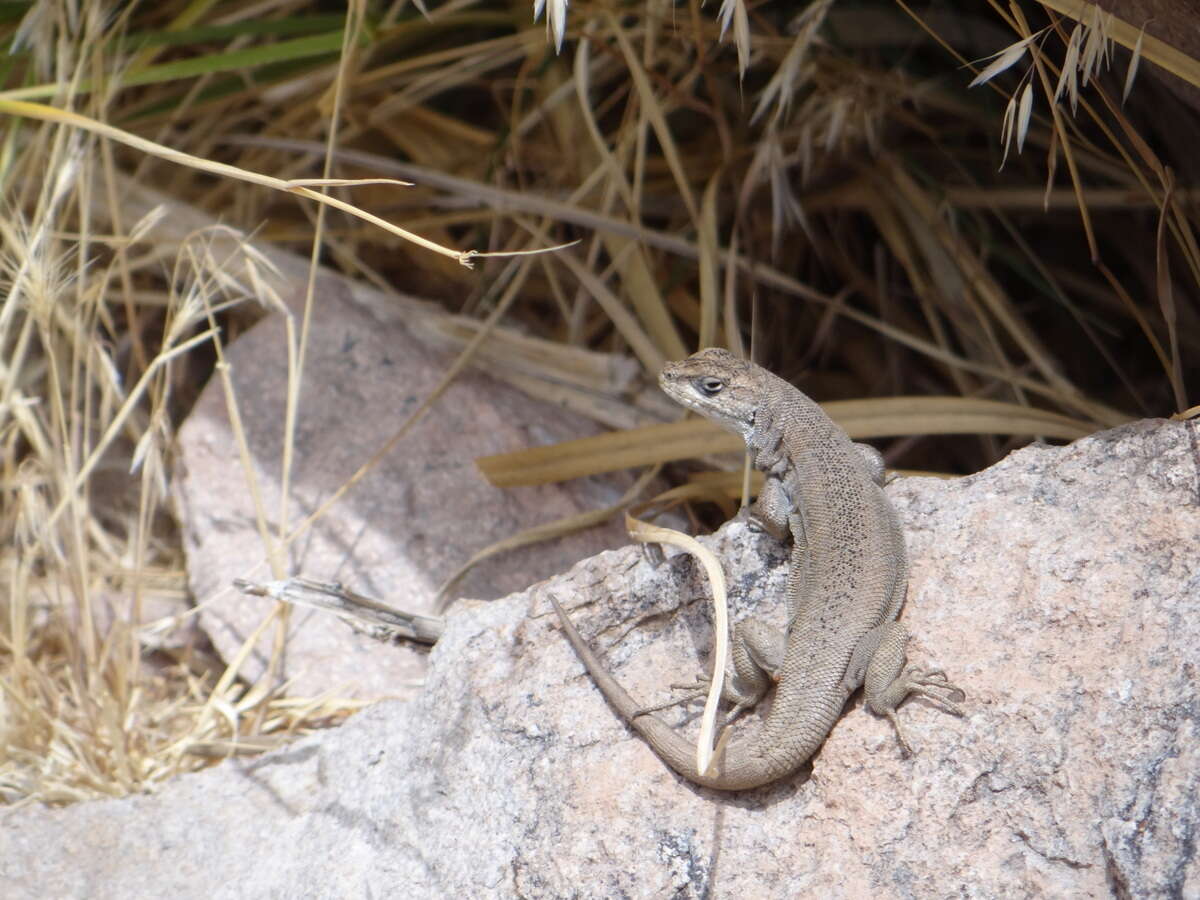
500, 198
1006, 128
176, 70
606, 453
583, 84
1134, 60
709, 265
956, 260
1067, 77
623, 320
1068, 152
896, 416
344, 182
1156, 51
715, 486
127, 408
544, 532
641, 287
66, 117
607, 373
1166, 295
1004, 60
884, 417
1024, 114
733, 331
1051, 169
556, 19
647, 533
735, 11
654, 112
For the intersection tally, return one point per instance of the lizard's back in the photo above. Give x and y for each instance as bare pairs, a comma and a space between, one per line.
848, 568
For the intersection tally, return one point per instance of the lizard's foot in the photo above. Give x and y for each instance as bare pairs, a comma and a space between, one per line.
751, 518
770, 511
878, 664
931, 684
753, 522
659, 707
695, 691
761, 523
936, 687
904, 744
734, 714
653, 554
757, 652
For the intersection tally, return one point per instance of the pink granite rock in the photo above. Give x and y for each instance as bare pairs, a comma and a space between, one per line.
1060, 588
421, 513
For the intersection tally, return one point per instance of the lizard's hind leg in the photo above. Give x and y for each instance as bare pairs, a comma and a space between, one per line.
878, 665
757, 650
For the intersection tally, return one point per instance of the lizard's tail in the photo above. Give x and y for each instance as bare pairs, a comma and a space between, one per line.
735, 770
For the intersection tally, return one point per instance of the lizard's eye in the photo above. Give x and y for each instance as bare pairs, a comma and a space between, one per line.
710, 386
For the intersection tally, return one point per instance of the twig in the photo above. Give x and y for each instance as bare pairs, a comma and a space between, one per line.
379, 621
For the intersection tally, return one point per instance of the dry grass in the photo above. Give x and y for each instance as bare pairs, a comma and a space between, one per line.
821, 185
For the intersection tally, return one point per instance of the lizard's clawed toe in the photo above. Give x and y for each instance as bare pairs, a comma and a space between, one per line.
695, 690
903, 741
934, 685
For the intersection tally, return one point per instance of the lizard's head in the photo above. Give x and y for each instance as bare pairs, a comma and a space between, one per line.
716, 384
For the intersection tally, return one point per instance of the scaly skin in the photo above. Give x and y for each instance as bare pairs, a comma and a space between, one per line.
847, 576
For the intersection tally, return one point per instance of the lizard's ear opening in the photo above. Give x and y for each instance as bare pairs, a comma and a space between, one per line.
710, 386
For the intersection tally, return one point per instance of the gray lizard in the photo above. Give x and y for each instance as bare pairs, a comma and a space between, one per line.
847, 579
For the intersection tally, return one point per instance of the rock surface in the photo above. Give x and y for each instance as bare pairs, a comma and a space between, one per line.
408, 525
1060, 588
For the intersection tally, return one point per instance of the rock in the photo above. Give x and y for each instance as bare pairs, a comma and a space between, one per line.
407, 526
1060, 588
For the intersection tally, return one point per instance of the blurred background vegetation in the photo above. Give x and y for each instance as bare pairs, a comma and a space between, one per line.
817, 184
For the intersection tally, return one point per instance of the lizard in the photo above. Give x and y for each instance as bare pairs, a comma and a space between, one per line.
847, 580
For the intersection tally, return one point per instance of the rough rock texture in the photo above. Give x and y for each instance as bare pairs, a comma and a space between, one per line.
398, 533
1061, 588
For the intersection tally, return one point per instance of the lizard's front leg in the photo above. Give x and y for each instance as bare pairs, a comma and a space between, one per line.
775, 511
878, 665
772, 510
